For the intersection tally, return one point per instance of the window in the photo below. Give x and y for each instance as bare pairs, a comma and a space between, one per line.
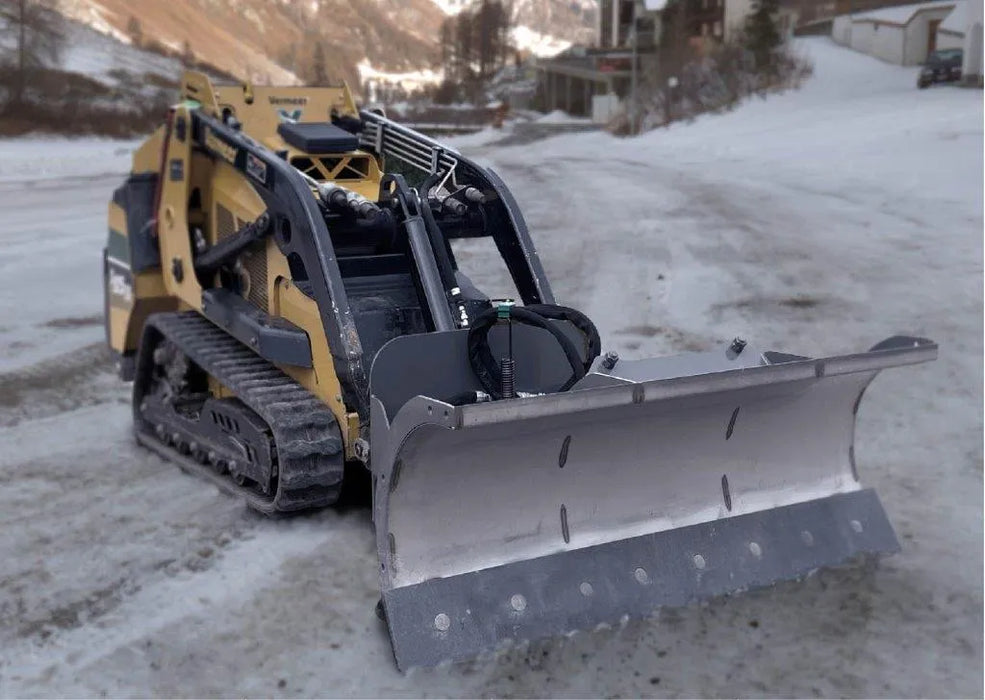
718, 28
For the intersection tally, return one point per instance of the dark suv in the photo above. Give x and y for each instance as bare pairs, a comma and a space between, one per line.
942, 66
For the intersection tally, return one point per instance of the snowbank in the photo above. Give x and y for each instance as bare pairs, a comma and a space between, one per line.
559, 116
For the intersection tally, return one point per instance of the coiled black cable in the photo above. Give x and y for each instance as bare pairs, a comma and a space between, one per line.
485, 366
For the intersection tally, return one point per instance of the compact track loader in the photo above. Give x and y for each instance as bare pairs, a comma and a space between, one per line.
281, 289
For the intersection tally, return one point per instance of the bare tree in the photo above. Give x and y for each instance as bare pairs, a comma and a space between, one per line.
319, 70
288, 57
135, 32
187, 55
36, 28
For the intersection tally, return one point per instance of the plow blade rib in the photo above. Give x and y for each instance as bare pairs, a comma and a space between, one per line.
640, 488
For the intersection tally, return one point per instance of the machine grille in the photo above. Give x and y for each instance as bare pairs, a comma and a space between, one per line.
225, 223
255, 263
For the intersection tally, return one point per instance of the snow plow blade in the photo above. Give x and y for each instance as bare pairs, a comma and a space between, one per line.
652, 484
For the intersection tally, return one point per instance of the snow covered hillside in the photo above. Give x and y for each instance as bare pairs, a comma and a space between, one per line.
116, 63
544, 28
818, 221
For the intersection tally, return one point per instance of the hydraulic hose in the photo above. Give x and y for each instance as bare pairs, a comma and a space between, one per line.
487, 369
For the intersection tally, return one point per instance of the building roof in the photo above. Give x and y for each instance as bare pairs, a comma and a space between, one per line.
959, 19
901, 14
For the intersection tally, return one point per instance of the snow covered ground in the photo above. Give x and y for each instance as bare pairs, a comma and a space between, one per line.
818, 221
31, 159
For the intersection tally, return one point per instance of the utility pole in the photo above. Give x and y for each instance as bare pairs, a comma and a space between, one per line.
634, 103
850, 21
21, 53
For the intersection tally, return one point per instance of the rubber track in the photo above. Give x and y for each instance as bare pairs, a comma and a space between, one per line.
306, 435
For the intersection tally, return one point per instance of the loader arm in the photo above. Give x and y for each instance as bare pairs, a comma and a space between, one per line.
302, 235
504, 223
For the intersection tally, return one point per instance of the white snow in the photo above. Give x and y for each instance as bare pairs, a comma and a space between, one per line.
559, 116
858, 197
31, 159
452, 7
537, 43
899, 14
91, 14
408, 80
101, 57
525, 38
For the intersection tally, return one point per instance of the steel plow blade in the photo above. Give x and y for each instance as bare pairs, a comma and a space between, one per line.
643, 487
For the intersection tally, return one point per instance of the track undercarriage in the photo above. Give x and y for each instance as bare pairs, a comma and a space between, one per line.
270, 442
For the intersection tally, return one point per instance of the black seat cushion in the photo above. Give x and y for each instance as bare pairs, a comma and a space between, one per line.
318, 137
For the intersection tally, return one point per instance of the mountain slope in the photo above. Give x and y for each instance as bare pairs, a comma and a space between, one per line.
274, 40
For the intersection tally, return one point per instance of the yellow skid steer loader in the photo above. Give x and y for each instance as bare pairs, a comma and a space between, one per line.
281, 289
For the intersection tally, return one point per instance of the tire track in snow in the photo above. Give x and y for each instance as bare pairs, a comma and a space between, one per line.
72, 380
244, 569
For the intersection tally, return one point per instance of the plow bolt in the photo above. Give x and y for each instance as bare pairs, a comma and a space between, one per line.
610, 359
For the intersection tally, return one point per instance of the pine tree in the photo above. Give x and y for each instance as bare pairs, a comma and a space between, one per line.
475, 45
37, 38
761, 35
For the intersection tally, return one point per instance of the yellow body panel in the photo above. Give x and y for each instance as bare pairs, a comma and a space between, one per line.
118, 320
131, 298
172, 218
126, 321
262, 108
117, 218
225, 200
321, 380
147, 158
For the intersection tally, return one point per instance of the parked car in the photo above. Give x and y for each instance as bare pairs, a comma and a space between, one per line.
942, 66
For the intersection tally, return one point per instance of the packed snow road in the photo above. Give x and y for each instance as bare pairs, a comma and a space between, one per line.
818, 221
